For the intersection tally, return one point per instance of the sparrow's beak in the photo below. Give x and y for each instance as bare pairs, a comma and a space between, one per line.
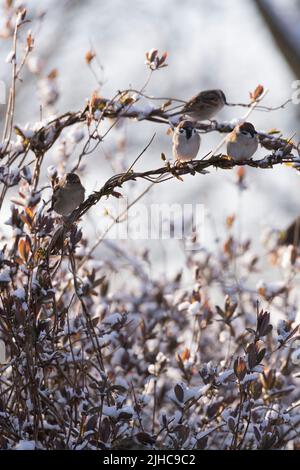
188, 132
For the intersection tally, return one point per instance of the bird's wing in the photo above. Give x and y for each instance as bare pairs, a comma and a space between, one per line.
191, 102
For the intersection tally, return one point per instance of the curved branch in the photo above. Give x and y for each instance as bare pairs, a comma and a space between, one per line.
193, 167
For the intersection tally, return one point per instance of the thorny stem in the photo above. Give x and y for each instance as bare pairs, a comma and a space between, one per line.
236, 433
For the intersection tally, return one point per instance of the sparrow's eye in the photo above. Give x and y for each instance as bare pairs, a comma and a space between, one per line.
181, 131
245, 132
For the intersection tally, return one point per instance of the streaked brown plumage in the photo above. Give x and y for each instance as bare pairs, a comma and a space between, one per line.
205, 105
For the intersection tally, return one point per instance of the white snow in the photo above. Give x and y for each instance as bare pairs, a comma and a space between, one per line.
5, 275
25, 445
183, 306
113, 412
194, 308
10, 57
113, 319
225, 376
76, 134
51, 171
19, 293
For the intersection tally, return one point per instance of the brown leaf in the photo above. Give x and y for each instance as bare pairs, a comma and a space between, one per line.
151, 55
182, 431
257, 93
263, 323
125, 415
24, 248
29, 213
179, 394
230, 220
268, 379
231, 424
202, 443
26, 220
91, 423
116, 194
53, 74
240, 368
256, 389
252, 360
89, 56
256, 352
145, 438
105, 429
185, 355
228, 246
30, 41
162, 59
241, 172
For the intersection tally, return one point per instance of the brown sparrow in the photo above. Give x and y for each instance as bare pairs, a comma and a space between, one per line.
242, 142
186, 141
204, 105
67, 194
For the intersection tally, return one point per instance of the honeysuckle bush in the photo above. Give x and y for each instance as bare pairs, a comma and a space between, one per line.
154, 364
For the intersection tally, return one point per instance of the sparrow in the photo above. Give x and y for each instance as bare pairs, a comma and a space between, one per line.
186, 141
68, 194
242, 142
204, 105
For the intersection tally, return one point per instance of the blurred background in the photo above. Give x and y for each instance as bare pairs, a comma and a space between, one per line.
231, 45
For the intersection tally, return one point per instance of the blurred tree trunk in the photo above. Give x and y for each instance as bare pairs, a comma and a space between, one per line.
284, 31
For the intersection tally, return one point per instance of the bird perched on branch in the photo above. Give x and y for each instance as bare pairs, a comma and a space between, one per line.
68, 194
186, 141
242, 142
205, 105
